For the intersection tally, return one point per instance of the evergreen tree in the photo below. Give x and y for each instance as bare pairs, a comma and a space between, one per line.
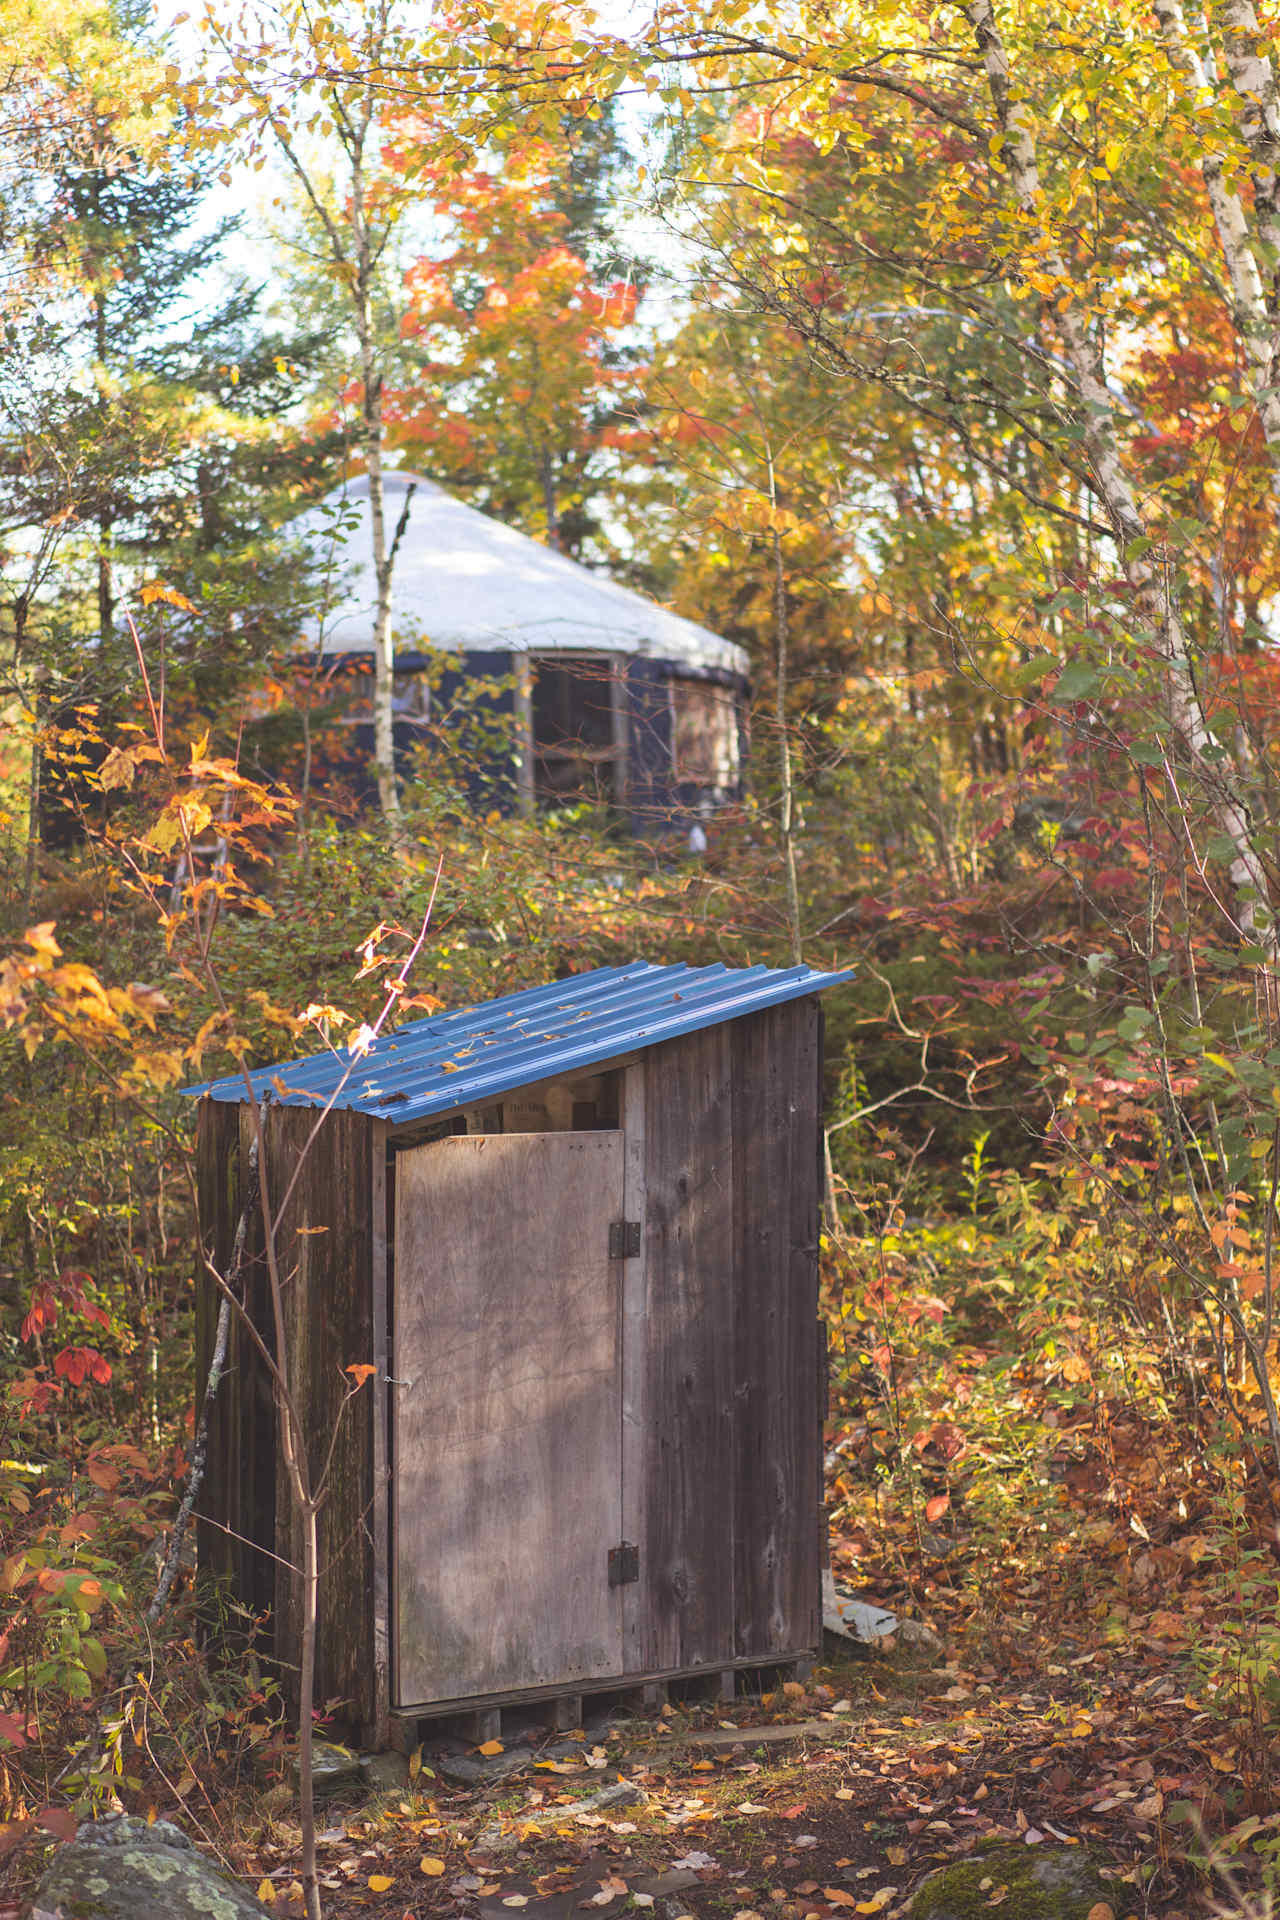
144, 414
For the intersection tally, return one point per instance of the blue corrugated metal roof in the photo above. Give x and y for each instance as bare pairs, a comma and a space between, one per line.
453, 1059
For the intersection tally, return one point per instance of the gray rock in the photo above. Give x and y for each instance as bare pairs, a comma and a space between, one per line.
1043, 1883
831, 1732
334, 1769
123, 1869
384, 1772
675, 1881
480, 1770
623, 1793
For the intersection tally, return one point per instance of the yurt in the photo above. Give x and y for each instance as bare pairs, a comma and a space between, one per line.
611, 698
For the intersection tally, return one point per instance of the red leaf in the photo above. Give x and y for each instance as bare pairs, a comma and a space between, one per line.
59, 1821
937, 1506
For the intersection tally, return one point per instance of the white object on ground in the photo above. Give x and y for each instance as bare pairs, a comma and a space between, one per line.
859, 1620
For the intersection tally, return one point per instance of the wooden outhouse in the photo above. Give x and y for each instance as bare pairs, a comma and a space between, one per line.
575, 1231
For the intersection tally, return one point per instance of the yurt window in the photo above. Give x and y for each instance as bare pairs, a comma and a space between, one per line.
704, 733
573, 729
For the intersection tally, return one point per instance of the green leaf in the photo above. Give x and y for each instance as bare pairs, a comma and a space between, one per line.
1078, 681
1030, 671
93, 1655
1133, 1023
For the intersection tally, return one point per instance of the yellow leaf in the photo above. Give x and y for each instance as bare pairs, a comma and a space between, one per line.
41, 938
157, 590
1101, 1911
379, 1882
266, 1893
432, 1867
703, 1766
490, 1747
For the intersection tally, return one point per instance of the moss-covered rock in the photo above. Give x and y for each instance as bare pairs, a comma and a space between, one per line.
125, 1869
1043, 1883
335, 1769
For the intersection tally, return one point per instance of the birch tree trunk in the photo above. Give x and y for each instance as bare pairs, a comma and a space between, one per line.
786, 816
1253, 77
371, 432
1147, 580
1253, 301
357, 224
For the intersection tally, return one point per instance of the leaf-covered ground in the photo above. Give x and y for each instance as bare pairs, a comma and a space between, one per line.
895, 1769
1102, 1581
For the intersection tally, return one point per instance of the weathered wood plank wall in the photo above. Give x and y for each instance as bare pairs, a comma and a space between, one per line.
235, 1511
508, 1428
777, 1058
324, 1244
733, 1520
689, 1235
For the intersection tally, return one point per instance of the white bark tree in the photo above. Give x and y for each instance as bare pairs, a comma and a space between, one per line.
1147, 578
309, 85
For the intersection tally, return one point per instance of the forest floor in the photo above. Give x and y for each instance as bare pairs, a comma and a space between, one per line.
1100, 1578
903, 1765
890, 1766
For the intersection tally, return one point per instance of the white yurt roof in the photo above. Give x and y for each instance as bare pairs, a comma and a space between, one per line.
465, 583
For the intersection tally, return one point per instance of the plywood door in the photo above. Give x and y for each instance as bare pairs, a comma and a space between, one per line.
507, 1416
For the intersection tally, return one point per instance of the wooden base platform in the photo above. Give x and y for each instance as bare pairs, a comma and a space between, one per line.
560, 1710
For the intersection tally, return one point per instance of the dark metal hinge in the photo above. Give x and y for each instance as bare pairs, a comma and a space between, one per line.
624, 1239
624, 1564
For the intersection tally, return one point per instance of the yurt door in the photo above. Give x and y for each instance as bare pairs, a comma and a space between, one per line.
507, 1413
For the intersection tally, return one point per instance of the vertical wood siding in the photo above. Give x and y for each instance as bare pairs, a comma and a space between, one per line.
688, 1104
236, 1505
733, 1510
777, 1439
328, 1286
508, 1428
